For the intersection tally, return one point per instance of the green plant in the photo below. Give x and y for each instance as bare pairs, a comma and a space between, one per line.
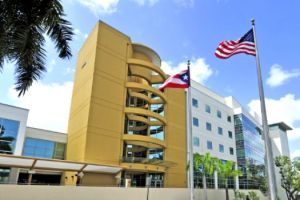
239, 195
253, 196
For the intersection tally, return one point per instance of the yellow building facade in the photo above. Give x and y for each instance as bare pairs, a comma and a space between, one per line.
118, 116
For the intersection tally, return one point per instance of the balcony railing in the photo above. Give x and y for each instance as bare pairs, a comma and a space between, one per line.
142, 160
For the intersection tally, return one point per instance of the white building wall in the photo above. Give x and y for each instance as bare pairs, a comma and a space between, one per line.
216, 102
20, 115
46, 135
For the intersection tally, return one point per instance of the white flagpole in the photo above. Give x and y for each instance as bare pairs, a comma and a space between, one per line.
266, 136
190, 137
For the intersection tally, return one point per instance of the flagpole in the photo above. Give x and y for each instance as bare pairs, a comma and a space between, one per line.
190, 136
266, 136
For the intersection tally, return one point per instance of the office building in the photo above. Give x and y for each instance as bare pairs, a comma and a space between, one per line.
118, 117
213, 130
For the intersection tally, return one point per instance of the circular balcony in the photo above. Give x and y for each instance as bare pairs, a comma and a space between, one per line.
145, 141
147, 88
143, 112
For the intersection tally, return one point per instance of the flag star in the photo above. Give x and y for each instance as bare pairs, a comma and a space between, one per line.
185, 77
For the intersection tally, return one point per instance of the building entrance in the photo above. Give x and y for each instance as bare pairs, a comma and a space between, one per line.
40, 179
138, 179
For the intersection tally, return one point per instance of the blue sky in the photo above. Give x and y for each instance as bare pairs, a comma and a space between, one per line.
179, 30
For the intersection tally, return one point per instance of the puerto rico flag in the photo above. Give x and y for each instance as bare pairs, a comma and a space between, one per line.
180, 80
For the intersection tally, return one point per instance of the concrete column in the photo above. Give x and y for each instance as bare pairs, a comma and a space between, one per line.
237, 185
216, 179
13, 175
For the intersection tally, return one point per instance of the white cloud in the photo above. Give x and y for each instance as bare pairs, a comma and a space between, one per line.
51, 66
99, 7
200, 71
79, 34
69, 70
286, 109
145, 2
48, 105
278, 76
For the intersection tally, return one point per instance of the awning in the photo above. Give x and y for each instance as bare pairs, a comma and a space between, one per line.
32, 163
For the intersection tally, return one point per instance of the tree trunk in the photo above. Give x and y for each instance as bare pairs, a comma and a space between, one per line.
226, 189
204, 187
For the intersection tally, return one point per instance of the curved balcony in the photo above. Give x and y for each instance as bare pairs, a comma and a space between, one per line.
145, 50
147, 88
145, 141
144, 97
148, 113
144, 120
144, 68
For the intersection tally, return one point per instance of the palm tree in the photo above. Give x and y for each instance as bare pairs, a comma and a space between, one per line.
205, 165
22, 28
226, 170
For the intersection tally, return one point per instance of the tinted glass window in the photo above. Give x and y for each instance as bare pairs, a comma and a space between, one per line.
195, 103
207, 108
195, 121
196, 141
221, 148
220, 131
219, 114
8, 135
209, 145
208, 126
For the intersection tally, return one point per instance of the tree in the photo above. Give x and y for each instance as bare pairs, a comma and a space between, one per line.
22, 28
290, 175
205, 165
226, 170
257, 174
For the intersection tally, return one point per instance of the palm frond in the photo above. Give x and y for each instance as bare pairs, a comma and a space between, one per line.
59, 29
30, 57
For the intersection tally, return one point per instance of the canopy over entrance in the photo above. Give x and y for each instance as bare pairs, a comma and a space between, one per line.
55, 165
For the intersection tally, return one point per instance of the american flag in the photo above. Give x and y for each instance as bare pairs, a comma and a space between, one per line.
180, 80
245, 44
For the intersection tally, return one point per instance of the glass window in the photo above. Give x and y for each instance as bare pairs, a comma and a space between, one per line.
219, 114
209, 145
4, 175
220, 131
157, 132
8, 135
43, 148
229, 118
221, 148
208, 126
157, 154
59, 151
195, 121
230, 134
207, 108
195, 103
231, 151
196, 141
